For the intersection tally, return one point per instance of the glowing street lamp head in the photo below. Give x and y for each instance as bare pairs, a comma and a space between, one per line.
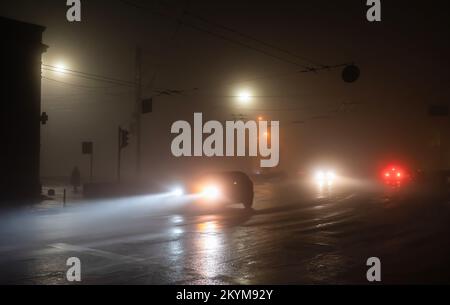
244, 96
60, 68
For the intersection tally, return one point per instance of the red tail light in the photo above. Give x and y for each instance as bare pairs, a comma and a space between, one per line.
394, 174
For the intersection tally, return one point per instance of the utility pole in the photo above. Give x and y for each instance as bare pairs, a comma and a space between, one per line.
440, 112
138, 110
119, 153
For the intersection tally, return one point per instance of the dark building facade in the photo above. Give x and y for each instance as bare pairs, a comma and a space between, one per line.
20, 98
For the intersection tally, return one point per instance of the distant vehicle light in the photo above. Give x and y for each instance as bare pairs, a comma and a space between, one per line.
395, 175
331, 175
325, 177
320, 176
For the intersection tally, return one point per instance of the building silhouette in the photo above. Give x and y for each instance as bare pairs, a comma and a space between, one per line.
20, 98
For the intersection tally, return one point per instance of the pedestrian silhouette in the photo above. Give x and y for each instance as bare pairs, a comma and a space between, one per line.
75, 179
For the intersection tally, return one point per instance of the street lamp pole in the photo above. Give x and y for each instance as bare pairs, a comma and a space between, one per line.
138, 110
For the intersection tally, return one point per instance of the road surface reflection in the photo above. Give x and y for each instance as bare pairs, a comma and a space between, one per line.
209, 248
324, 190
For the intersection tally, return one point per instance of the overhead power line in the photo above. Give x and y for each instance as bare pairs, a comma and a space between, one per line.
157, 92
257, 40
86, 75
235, 41
78, 85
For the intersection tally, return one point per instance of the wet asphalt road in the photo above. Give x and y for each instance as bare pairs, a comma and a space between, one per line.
292, 236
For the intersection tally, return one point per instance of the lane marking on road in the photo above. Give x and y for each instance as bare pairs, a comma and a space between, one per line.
125, 239
347, 197
96, 252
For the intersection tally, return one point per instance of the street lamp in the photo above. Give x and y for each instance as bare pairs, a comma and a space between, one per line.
244, 96
60, 68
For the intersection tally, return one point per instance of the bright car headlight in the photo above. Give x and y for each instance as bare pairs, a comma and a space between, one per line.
177, 191
211, 192
320, 176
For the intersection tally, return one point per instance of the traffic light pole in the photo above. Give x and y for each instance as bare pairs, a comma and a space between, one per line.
91, 171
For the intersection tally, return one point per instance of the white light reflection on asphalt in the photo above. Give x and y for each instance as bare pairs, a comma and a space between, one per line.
210, 248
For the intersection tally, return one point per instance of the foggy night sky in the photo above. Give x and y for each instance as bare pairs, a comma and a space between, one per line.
403, 59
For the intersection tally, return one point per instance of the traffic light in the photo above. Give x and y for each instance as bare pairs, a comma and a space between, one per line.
44, 118
147, 106
87, 148
351, 73
124, 138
